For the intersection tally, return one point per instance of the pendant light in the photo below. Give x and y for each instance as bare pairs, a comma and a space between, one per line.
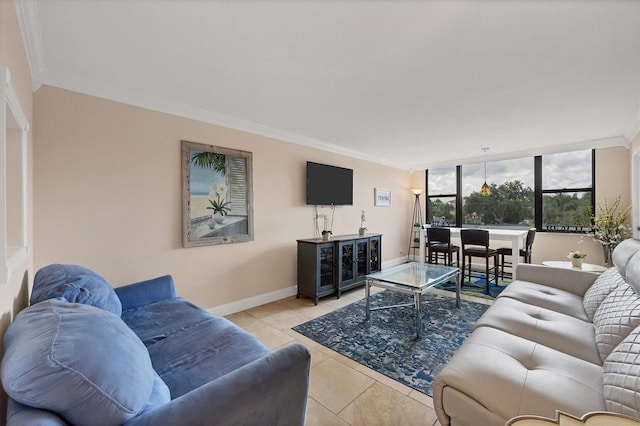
485, 190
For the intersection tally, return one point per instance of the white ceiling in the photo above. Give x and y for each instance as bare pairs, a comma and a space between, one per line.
411, 84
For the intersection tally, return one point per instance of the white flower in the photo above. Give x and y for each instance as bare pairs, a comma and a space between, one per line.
218, 189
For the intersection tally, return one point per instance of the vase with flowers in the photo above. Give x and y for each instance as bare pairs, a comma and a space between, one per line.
220, 209
363, 228
610, 227
576, 258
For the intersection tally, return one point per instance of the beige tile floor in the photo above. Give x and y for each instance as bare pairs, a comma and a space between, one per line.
342, 391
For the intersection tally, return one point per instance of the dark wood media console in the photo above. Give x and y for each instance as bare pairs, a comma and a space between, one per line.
329, 267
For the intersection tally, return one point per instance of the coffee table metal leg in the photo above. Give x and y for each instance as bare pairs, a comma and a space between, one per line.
458, 285
417, 297
367, 291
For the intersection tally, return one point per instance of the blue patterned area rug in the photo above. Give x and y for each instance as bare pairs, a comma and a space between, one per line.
477, 287
388, 344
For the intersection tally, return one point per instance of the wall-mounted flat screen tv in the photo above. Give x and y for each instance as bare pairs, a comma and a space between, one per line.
329, 185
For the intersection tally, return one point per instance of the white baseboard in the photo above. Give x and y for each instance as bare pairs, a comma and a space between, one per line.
394, 262
262, 299
252, 302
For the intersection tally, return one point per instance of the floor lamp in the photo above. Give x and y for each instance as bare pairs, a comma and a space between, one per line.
417, 218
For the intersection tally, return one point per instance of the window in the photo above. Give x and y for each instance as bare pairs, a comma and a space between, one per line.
511, 202
441, 196
567, 191
552, 193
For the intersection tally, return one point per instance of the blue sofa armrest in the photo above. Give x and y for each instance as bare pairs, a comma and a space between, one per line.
272, 390
19, 415
146, 292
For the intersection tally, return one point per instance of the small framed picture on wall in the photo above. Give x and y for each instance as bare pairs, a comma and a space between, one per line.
382, 197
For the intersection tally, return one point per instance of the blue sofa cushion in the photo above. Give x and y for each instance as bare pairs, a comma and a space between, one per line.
78, 361
76, 284
189, 347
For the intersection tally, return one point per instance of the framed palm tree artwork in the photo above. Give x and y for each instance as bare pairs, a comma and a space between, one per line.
217, 195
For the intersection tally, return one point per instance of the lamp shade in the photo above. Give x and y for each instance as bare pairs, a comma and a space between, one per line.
485, 190
416, 191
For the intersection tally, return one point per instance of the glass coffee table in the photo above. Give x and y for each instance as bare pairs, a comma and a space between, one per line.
412, 278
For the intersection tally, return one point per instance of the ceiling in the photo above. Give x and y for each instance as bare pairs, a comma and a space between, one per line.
411, 84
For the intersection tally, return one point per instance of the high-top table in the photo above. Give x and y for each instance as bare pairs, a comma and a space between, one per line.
414, 278
517, 238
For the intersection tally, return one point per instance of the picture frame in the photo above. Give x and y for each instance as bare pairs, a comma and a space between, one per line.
382, 197
217, 195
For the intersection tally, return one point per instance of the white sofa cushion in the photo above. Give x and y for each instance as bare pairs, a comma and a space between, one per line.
546, 297
558, 331
601, 288
621, 376
615, 318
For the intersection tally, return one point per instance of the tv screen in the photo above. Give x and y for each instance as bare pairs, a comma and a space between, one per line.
328, 185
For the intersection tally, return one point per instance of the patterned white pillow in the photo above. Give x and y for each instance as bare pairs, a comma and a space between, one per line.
600, 289
617, 316
621, 377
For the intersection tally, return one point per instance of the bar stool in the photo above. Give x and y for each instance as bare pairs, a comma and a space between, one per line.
439, 244
475, 243
524, 253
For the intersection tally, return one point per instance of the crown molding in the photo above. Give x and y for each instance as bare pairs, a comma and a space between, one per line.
613, 141
30, 29
206, 116
632, 130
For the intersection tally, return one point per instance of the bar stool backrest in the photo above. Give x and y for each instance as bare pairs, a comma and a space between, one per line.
474, 237
439, 235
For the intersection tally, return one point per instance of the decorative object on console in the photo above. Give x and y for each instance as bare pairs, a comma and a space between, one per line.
326, 235
609, 227
363, 220
226, 176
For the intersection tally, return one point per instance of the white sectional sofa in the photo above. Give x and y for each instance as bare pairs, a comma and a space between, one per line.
554, 340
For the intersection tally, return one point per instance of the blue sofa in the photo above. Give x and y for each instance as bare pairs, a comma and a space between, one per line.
84, 353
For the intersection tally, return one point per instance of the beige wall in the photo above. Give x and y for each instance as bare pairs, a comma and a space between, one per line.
108, 196
14, 294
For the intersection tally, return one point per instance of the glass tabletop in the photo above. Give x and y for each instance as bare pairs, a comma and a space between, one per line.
415, 274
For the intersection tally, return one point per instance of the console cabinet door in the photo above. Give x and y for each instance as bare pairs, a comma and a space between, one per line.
346, 264
362, 259
327, 270
317, 275
353, 264
375, 254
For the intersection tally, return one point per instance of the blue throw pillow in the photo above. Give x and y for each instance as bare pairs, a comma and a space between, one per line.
78, 361
76, 284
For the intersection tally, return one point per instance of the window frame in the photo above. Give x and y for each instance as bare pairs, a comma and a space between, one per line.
537, 190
